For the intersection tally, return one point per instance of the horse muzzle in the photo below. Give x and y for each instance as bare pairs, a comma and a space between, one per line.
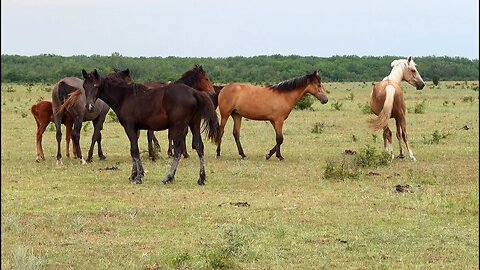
324, 100
420, 86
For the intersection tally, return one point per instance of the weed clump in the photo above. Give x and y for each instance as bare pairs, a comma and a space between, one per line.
351, 164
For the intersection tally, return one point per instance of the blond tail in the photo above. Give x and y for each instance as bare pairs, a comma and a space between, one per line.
381, 121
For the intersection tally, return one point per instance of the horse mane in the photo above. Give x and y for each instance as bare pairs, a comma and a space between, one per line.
191, 76
70, 101
119, 82
289, 85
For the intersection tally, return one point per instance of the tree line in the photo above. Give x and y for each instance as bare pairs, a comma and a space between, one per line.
48, 68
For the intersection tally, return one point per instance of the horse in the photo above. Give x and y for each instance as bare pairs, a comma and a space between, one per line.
386, 101
197, 79
68, 97
273, 103
174, 107
43, 114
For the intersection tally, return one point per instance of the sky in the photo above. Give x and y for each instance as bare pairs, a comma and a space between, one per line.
222, 28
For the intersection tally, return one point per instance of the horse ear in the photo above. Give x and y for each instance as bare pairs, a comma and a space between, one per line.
127, 71
95, 74
85, 74
409, 59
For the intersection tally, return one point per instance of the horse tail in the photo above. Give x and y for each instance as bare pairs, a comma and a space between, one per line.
381, 121
207, 112
70, 101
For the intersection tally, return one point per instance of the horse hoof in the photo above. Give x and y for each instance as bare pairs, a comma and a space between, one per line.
219, 157
201, 182
138, 181
401, 156
89, 160
167, 180
244, 158
281, 159
59, 162
186, 156
83, 162
102, 157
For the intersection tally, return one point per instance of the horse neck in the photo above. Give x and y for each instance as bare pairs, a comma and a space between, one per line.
294, 95
396, 74
112, 95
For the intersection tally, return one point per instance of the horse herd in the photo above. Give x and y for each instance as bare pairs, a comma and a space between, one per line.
191, 102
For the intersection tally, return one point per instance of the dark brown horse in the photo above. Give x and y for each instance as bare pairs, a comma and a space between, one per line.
174, 107
273, 103
198, 80
386, 101
43, 114
68, 97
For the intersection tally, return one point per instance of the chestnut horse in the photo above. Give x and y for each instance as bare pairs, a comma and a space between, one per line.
174, 107
386, 101
68, 97
273, 103
43, 114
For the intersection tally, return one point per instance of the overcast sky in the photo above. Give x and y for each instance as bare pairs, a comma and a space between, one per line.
222, 28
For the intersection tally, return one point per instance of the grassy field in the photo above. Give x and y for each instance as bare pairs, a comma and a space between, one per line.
251, 214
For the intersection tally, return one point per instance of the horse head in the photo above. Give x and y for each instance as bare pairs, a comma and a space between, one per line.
411, 74
197, 79
316, 88
91, 84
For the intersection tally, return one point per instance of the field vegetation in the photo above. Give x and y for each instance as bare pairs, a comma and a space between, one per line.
334, 203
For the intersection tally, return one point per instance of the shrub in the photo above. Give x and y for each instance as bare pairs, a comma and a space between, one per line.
343, 169
365, 108
435, 80
337, 105
369, 157
318, 128
304, 103
436, 137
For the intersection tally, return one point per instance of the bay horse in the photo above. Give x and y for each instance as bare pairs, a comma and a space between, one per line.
174, 107
197, 79
43, 113
273, 103
387, 101
68, 97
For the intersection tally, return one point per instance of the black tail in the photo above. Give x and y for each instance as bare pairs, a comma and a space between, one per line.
207, 112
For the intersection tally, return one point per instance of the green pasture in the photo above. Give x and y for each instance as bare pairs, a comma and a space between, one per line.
251, 214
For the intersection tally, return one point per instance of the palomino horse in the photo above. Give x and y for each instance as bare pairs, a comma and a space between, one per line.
273, 103
43, 114
68, 96
197, 79
174, 107
386, 101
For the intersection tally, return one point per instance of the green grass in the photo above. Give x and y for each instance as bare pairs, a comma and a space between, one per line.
83, 217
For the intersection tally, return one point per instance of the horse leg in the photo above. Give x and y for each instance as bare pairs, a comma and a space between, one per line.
387, 141
197, 144
403, 125
151, 152
68, 136
170, 144
77, 127
237, 123
399, 138
278, 126
184, 151
58, 135
223, 122
38, 139
178, 141
137, 168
